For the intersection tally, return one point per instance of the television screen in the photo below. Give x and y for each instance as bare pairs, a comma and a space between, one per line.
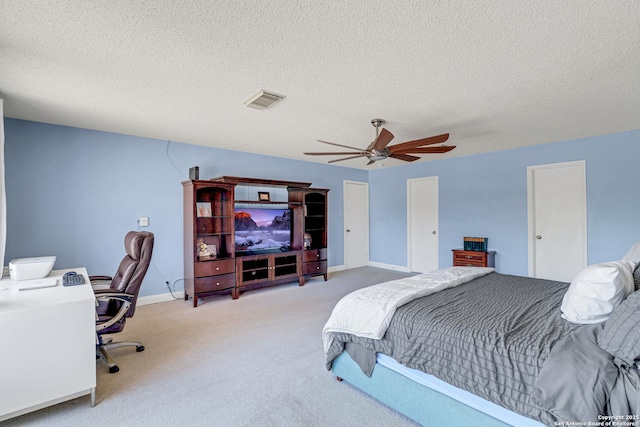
260, 230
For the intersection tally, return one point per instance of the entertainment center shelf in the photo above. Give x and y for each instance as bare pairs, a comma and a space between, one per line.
256, 202
227, 251
260, 182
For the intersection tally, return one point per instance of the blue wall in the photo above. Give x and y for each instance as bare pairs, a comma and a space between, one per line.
74, 193
486, 195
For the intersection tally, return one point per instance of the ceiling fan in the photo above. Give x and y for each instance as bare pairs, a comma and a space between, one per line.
379, 149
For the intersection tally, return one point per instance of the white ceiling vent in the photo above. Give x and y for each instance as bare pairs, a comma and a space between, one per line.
263, 100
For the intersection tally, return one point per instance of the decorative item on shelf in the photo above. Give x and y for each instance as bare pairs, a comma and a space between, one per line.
478, 244
263, 196
206, 251
203, 209
307, 241
194, 172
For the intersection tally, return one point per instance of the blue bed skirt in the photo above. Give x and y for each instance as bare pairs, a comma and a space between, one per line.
416, 401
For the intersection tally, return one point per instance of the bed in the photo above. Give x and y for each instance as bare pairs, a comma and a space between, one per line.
470, 346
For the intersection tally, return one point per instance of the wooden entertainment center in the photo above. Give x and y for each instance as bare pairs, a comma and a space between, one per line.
212, 265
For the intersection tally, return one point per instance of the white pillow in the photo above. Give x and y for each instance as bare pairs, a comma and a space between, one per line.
633, 254
596, 290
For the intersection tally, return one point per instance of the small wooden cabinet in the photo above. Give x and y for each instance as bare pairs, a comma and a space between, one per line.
462, 258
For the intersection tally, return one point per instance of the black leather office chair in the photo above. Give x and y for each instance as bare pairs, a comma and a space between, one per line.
117, 296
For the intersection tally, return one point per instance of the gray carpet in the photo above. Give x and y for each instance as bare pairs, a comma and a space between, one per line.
255, 361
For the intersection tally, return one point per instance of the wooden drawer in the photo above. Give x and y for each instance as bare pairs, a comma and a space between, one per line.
314, 255
468, 263
214, 283
319, 267
212, 268
463, 258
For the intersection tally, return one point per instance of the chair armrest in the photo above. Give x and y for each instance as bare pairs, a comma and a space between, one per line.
110, 293
106, 295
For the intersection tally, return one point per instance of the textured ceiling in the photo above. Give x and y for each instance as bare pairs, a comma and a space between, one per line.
494, 74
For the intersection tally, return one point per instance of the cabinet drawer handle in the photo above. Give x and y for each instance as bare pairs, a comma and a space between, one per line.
217, 283
318, 268
317, 255
217, 268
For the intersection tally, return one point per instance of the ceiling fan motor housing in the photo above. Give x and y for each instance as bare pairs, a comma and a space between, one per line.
374, 154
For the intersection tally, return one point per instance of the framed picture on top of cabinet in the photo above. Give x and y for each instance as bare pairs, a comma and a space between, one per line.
203, 209
263, 196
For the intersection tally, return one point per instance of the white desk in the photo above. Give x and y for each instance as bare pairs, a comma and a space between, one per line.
47, 345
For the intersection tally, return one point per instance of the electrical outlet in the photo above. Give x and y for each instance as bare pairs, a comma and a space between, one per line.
143, 221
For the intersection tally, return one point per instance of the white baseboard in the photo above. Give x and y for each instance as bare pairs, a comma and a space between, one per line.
153, 299
336, 268
389, 266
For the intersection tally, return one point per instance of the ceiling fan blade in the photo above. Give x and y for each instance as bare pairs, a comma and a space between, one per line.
340, 145
345, 158
337, 153
382, 140
402, 156
420, 142
426, 150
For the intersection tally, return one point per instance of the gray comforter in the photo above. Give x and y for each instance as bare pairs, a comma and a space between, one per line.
490, 336
601, 388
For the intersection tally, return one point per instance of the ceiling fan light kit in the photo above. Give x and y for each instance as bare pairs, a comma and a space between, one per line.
379, 149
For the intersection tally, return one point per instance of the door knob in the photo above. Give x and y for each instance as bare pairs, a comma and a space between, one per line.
433, 232
348, 231
538, 237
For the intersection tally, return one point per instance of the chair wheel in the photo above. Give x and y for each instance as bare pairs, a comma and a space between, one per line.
139, 348
113, 369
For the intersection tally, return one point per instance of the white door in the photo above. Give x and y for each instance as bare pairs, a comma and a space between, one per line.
557, 220
422, 224
356, 224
